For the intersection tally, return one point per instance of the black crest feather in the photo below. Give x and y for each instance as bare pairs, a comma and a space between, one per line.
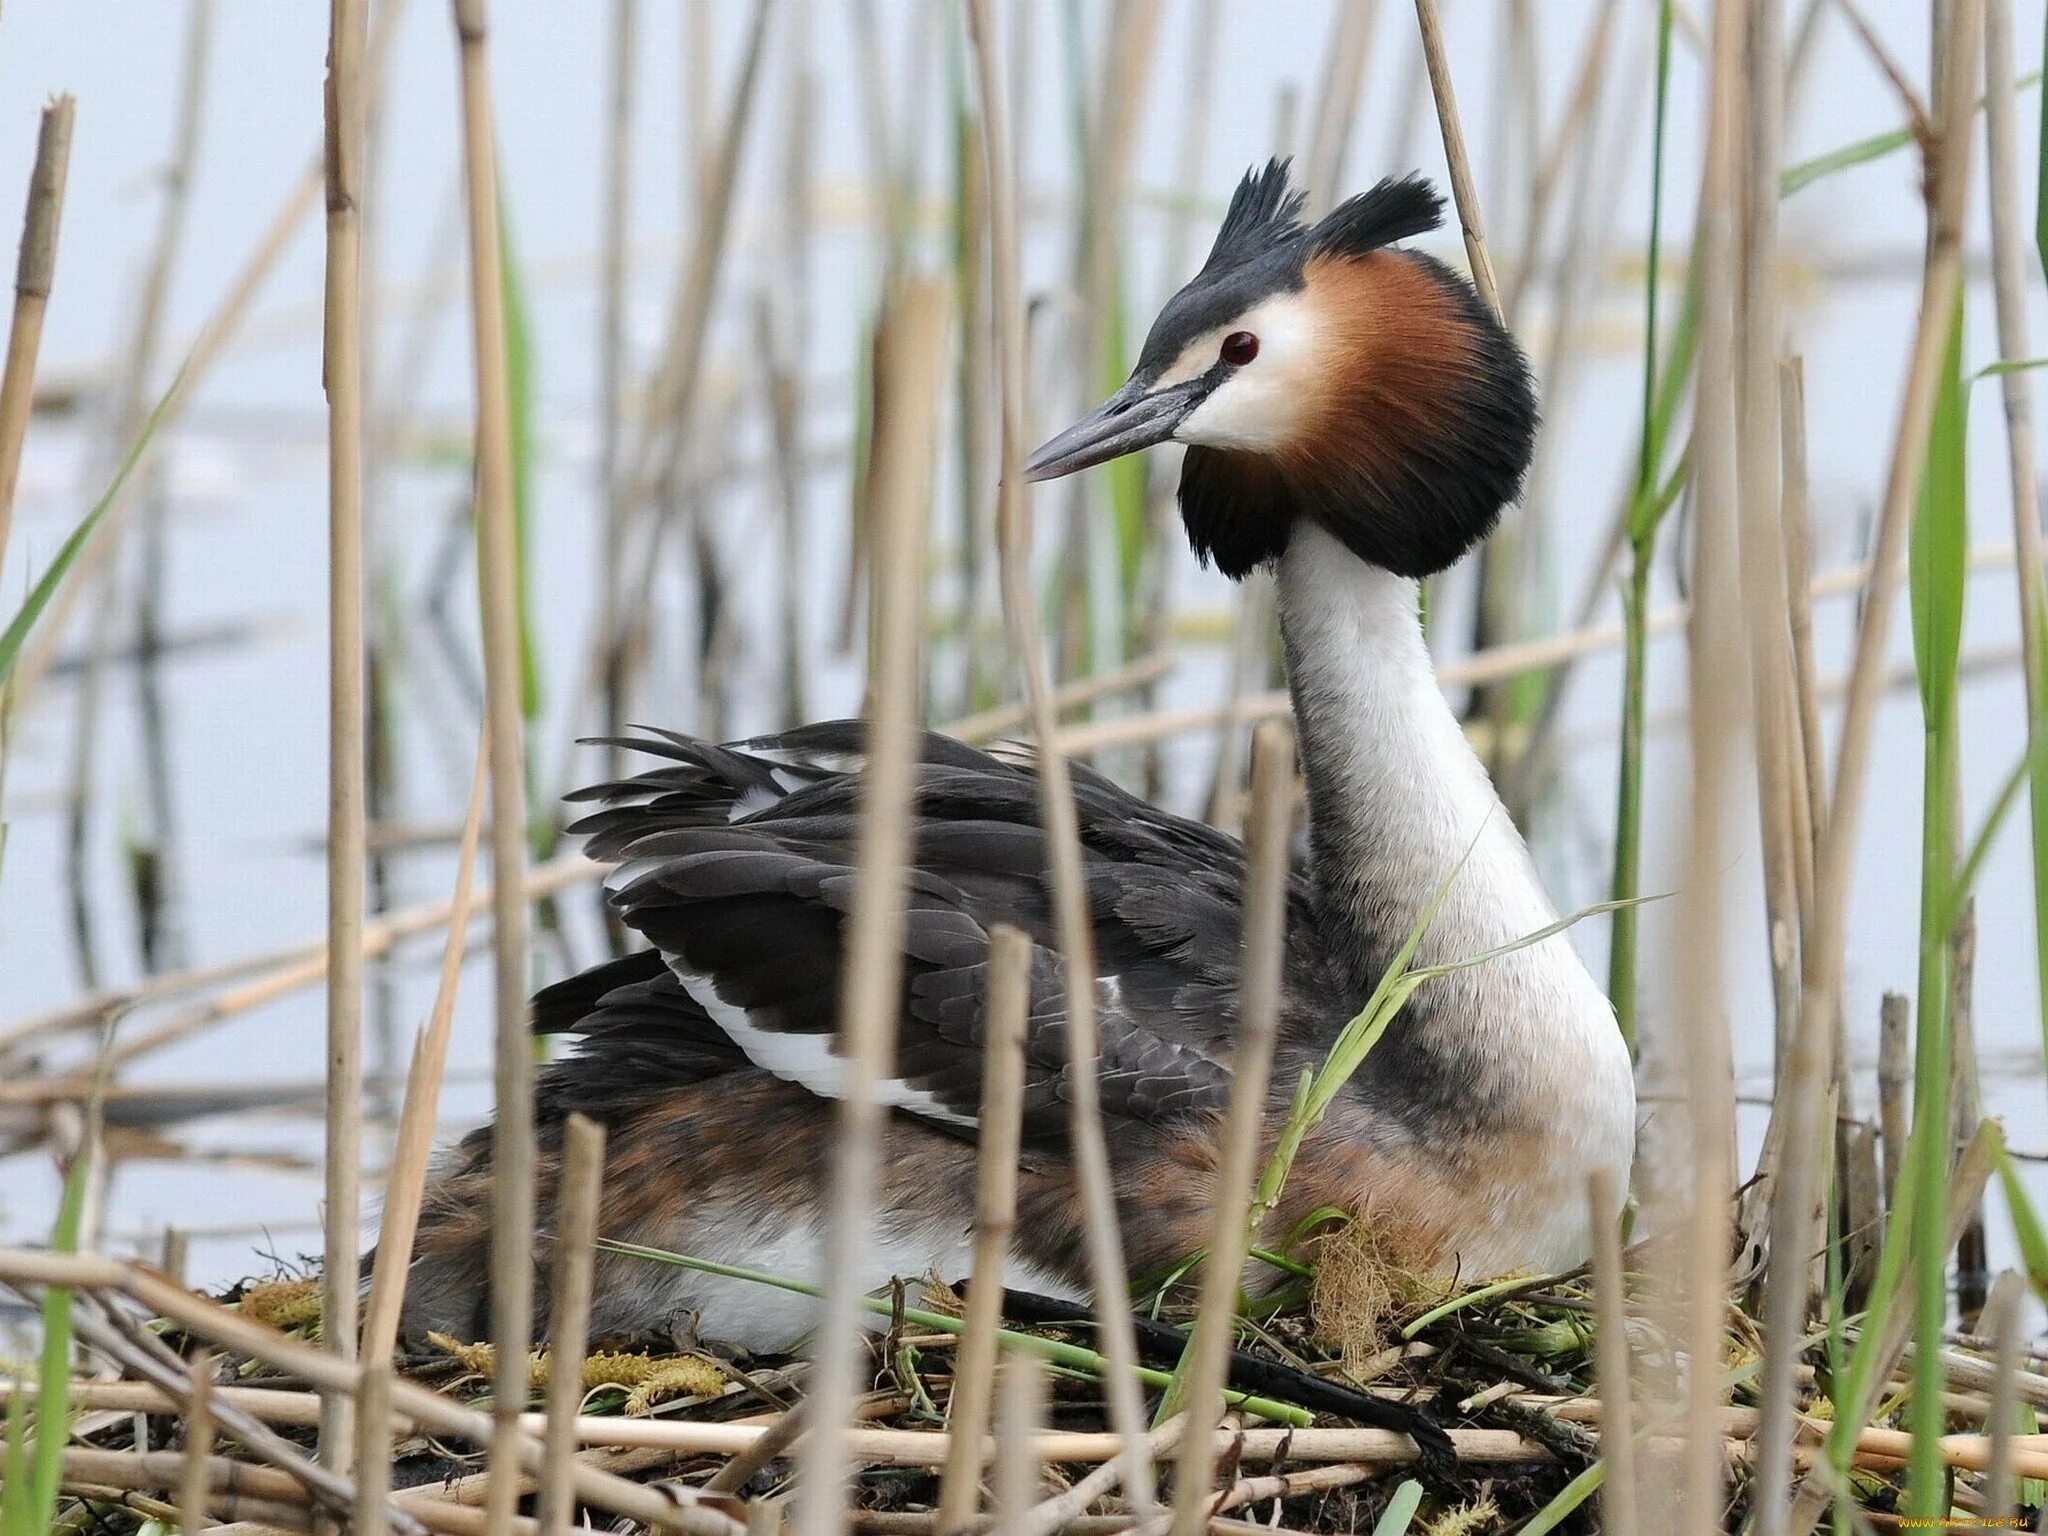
1264, 211
1392, 210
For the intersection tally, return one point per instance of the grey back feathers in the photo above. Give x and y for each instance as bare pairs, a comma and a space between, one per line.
736, 865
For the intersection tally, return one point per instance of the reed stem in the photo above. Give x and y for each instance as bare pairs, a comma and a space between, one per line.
577, 1195
342, 376
1106, 1271
1269, 840
1000, 1132
899, 496
35, 273
2009, 269
512, 1147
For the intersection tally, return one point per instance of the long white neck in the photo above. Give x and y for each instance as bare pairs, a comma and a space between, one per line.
1509, 1073
1396, 797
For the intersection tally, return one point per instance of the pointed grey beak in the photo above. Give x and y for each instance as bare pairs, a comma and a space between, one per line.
1127, 421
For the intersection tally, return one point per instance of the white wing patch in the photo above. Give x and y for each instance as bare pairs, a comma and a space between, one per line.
805, 1059
619, 876
755, 799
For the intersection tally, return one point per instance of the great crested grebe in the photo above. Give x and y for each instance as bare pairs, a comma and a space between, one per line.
1356, 419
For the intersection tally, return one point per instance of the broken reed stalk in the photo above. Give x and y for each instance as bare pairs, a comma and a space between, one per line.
198, 1425
1580, 119
347, 852
1941, 275
34, 273
1619, 1493
1795, 513
2009, 267
258, 1501
785, 362
1489, 664
1269, 846
112, 604
670, 410
779, 371
1155, 597
1019, 1467
1091, 594
1888, 66
209, 1320
272, 1405
910, 343
373, 1455
1894, 1077
577, 1195
1336, 109
611, 331
123, 1339
1059, 1512
405, 1182
1000, 1130
2005, 1313
1106, 1272
512, 1154
1765, 600
1262, 1446
1790, 1176
275, 972
1716, 726
989, 724
1463, 191
1882, 1345
220, 329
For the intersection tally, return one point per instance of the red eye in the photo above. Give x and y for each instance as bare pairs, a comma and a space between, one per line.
1239, 348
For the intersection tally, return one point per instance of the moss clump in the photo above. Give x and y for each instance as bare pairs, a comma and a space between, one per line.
1474, 1517
645, 1379
1364, 1274
283, 1304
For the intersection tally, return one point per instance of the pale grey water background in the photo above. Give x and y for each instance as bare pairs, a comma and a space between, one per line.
247, 482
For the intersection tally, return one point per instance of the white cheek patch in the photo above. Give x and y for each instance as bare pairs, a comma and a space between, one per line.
1258, 408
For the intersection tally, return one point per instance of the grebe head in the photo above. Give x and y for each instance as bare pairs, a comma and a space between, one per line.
1320, 371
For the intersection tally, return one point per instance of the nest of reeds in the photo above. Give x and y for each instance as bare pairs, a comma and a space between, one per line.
1503, 1375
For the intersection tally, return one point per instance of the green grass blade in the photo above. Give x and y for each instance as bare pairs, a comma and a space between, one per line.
1399, 1514
1937, 564
2009, 365
14, 1501
1073, 1356
17, 632
2029, 1236
1841, 158
1795, 177
1987, 835
519, 387
1514, 1285
1627, 876
1566, 1501
1645, 512
1849, 1391
53, 1394
1938, 556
